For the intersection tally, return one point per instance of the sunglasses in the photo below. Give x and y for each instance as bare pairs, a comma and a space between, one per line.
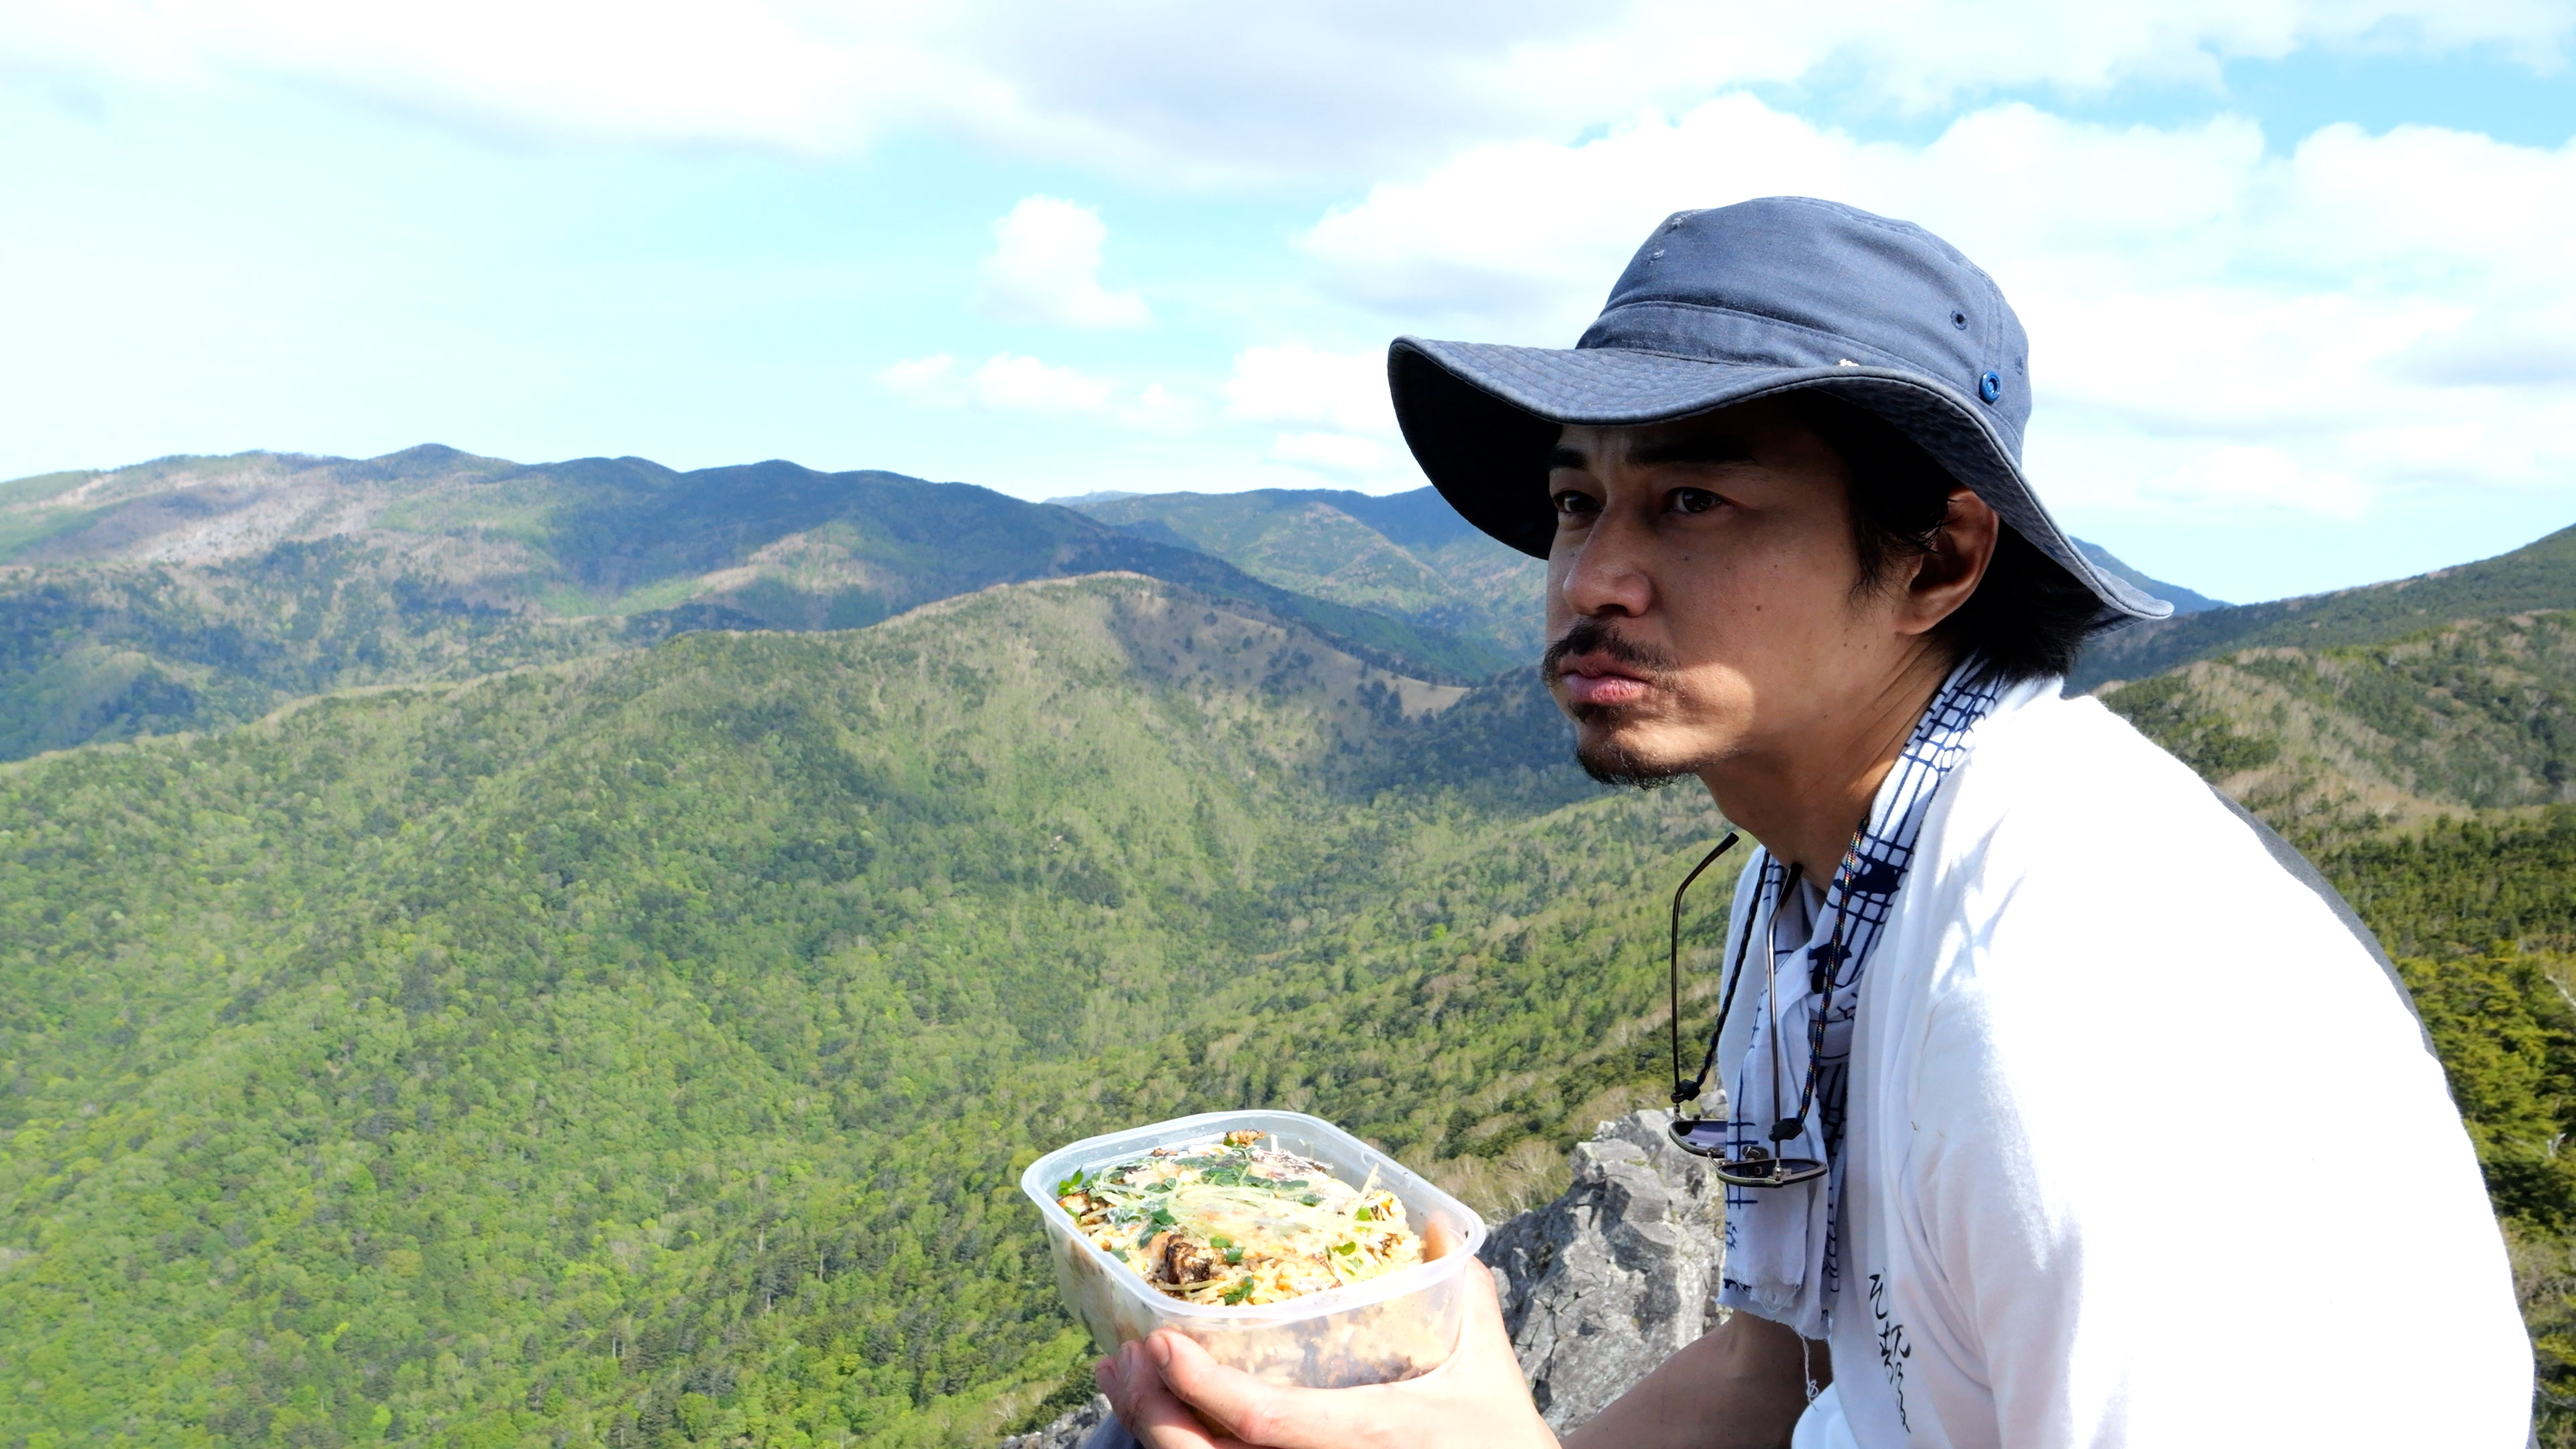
1746, 1164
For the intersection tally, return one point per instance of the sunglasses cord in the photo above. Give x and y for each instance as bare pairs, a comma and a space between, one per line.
1822, 977
1683, 1094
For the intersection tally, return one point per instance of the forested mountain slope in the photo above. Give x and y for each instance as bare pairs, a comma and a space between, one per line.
2538, 576
197, 592
638, 1050
2481, 713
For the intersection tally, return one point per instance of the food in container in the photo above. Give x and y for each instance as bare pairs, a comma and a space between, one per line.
1383, 1303
1230, 1221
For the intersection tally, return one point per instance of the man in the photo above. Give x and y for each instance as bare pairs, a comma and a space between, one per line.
2121, 1132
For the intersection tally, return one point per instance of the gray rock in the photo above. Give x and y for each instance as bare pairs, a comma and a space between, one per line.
1072, 1431
1608, 1281
1598, 1287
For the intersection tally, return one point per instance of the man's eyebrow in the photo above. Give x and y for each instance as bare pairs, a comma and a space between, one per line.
1694, 448
1567, 458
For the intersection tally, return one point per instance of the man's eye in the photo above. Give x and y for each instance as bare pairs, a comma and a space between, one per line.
1693, 500
1570, 504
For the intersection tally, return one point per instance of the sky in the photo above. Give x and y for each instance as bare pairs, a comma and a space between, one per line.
2299, 275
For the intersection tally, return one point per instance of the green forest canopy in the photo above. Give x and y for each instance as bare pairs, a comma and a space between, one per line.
637, 1049
641, 1049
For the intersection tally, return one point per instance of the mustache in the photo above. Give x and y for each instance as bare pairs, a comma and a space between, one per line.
1595, 636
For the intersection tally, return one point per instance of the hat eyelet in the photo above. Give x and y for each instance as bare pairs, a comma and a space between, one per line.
1959, 320
1990, 387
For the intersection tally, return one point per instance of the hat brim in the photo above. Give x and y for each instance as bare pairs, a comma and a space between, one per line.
1482, 418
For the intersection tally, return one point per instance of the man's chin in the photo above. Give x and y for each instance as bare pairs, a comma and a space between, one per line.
1613, 757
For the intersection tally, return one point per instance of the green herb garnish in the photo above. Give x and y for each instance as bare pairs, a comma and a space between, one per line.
1239, 1291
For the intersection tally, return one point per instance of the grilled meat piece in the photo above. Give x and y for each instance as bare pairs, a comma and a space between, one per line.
1185, 1261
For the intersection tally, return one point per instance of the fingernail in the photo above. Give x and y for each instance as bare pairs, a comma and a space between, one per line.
1159, 1351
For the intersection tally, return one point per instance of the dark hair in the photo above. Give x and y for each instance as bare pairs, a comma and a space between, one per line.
2029, 617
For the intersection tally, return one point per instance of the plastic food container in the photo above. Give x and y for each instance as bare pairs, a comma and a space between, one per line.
1376, 1332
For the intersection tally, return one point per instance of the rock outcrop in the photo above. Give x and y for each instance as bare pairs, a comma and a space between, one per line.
1074, 1430
1598, 1287
1608, 1281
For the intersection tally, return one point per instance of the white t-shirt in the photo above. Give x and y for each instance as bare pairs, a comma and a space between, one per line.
2144, 1147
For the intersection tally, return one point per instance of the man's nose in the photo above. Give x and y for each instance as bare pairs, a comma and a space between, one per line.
1606, 573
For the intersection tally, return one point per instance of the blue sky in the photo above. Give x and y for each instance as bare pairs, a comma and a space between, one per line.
2301, 280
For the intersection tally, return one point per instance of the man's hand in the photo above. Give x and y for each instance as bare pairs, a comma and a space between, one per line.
1477, 1400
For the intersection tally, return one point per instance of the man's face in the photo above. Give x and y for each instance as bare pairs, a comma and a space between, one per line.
1703, 593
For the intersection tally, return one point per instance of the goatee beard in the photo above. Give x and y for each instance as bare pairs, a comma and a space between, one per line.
1607, 761
1614, 764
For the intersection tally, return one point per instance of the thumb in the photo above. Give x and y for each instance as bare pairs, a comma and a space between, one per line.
1243, 1407
1483, 1325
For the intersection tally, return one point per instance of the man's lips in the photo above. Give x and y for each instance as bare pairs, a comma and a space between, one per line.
1602, 682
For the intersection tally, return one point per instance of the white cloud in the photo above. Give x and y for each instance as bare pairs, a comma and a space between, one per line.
1175, 93
1024, 384
2240, 474
1045, 267
1338, 451
923, 379
1015, 383
2211, 325
684, 70
1158, 409
1342, 398
1295, 383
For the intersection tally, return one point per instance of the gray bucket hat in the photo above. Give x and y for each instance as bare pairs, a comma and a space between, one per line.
1742, 302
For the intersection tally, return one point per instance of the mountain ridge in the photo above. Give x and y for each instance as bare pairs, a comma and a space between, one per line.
2539, 576
193, 592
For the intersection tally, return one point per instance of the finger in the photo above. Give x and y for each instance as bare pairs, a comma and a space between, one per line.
1439, 1239
1483, 1323
1111, 1375
1150, 1411
1255, 1413
1483, 1337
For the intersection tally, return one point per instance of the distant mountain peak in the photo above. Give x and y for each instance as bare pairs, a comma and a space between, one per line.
2185, 601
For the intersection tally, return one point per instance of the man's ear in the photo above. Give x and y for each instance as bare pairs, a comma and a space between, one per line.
1949, 572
